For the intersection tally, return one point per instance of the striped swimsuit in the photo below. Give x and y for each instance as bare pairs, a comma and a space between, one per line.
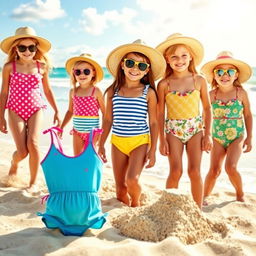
85, 115
130, 128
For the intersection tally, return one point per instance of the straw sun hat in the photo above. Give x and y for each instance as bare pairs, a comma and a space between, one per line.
177, 38
226, 57
88, 58
157, 62
25, 32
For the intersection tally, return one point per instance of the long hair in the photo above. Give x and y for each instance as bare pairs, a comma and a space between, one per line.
40, 56
119, 80
73, 78
170, 50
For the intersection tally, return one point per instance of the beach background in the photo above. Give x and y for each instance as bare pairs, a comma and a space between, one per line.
169, 223
225, 227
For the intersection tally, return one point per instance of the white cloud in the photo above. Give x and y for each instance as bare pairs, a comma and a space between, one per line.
95, 23
38, 10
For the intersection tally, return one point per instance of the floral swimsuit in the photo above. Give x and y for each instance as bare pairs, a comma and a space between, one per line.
228, 122
183, 117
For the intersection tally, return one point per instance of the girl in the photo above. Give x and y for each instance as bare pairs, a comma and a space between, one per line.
181, 91
230, 105
130, 98
25, 70
85, 99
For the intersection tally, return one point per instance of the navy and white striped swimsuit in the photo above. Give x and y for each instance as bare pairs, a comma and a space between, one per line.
130, 115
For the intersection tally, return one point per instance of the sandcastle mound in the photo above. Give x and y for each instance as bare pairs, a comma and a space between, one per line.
174, 214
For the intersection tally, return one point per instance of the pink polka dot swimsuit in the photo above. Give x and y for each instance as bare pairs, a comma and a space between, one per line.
85, 115
25, 97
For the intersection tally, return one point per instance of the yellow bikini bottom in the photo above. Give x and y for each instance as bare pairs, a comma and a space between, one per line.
127, 144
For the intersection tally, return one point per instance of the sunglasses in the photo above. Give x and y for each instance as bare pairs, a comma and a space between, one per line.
85, 71
23, 48
142, 66
221, 72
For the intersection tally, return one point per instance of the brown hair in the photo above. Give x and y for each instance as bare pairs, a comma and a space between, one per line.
40, 56
170, 50
120, 77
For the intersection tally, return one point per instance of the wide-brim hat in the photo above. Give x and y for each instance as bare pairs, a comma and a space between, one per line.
177, 38
226, 57
25, 32
157, 62
88, 58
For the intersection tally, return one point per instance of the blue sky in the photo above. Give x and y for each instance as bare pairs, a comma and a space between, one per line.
98, 26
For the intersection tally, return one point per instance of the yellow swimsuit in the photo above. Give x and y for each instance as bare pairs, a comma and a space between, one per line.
183, 115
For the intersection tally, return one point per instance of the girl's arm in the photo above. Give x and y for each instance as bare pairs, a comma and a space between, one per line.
50, 97
69, 112
205, 98
4, 95
100, 99
152, 114
161, 88
248, 121
106, 126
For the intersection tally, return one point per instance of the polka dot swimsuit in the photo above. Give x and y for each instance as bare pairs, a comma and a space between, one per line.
85, 115
85, 105
25, 97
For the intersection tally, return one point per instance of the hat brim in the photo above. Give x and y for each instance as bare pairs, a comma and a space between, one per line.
157, 61
99, 71
43, 44
244, 69
195, 45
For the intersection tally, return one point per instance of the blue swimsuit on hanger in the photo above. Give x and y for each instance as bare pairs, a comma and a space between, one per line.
73, 204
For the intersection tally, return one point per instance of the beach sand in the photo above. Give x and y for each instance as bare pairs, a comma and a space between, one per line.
168, 223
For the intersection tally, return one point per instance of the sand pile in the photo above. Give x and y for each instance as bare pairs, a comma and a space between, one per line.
174, 214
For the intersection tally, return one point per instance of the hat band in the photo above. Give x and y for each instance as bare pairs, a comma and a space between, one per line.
224, 57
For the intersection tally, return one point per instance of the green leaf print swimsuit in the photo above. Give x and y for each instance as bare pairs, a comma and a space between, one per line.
228, 122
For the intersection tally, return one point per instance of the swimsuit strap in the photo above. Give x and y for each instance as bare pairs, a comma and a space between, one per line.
38, 66
145, 90
54, 136
215, 95
93, 132
93, 90
236, 93
14, 66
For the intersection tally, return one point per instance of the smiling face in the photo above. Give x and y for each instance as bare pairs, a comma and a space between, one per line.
179, 60
83, 73
26, 49
225, 74
134, 73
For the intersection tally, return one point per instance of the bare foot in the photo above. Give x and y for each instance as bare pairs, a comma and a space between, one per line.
205, 203
13, 181
240, 198
33, 190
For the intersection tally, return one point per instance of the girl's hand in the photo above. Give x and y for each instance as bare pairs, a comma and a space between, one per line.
102, 154
164, 148
60, 134
150, 159
56, 119
3, 126
207, 143
247, 145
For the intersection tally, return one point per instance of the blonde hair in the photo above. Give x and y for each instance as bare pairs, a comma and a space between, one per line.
170, 50
40, 56
73, 78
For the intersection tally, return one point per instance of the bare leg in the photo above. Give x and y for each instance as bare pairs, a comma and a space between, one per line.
234, 152
194, 153
175, 161
34, 126
19, 133
135, 166
120, 164
218, 153
78, 144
